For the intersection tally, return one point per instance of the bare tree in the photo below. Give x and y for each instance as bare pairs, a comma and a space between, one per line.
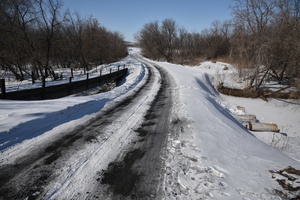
168, 38
17, 17
215, 40
49, 24
149, 39
35, 37
75, 32
267, 34
158, 41
183, 45
253, 20
92, 44
117, 46
286, 39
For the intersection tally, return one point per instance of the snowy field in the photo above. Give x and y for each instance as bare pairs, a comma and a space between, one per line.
215, 157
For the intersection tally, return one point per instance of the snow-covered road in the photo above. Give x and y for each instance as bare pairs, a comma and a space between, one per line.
72, 163
165, 133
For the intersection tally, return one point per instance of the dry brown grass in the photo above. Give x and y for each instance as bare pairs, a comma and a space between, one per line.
196, 61
288, 95
191, 62
226, 59
252, 93
247, 92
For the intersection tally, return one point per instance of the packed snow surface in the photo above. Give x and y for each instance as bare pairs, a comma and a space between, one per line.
213, 157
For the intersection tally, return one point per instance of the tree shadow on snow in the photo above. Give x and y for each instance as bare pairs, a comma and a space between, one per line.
36, 127
212, 92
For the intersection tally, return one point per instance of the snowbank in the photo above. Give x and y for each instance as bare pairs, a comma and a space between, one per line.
216, 157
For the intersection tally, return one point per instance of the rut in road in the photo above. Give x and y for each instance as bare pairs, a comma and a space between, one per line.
28, 176
139, 173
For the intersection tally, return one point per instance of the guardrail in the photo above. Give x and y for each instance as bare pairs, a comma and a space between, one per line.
61, 90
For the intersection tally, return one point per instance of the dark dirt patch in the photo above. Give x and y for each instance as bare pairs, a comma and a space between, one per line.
31, 189
70, 139
66, 141
52, 147
142, 132
53, 157
90, 138
149, 123
150, 115
120, 175
8, 171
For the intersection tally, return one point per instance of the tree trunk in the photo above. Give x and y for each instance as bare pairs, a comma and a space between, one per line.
262, 79
281, 75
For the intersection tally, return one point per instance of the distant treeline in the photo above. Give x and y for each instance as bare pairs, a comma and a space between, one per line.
37, 36
263, 35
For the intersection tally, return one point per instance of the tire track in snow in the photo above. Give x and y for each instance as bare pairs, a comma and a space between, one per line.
138, 173
108, 151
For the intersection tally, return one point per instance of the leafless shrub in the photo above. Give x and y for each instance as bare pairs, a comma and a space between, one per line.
280, 142
219, 77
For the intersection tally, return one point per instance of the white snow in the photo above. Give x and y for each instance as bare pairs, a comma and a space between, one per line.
214, 157
222, 158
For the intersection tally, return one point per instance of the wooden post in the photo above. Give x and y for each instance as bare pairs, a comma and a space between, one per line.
118, 67
43, 86
70, 85
44, 82
100, 72
2, 85
110, 70
32, 76
72, 73
87, 80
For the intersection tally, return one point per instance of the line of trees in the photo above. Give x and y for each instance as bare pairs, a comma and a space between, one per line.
261, 33
36, 36
166, 41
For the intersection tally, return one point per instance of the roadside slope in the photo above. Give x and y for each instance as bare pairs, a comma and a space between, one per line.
214, 156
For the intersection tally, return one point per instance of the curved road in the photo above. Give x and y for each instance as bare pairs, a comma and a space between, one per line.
117, 155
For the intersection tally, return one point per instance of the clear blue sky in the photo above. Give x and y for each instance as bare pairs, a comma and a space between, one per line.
129, 16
